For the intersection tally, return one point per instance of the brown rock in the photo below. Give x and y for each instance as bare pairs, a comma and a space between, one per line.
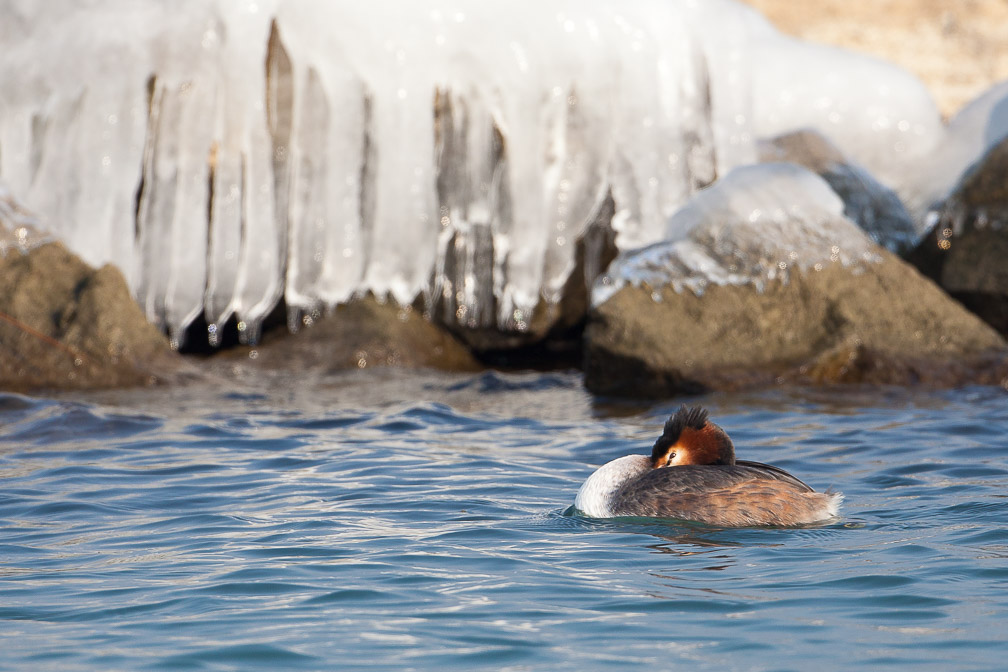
763, 280
361, 334
67, 325
885, 324
967, 249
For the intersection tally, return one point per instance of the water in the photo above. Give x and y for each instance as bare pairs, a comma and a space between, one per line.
416, 521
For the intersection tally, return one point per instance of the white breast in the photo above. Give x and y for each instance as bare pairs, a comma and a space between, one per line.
595, 498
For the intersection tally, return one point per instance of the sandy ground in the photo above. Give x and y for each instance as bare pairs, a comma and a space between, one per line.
959, 48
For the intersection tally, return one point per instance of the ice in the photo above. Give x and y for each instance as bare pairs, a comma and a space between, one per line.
879, 115
231, 154
70, 142
172, 202
979, 126
755, 225
18, 227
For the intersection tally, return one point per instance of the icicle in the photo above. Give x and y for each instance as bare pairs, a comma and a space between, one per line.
259, 281
468, 155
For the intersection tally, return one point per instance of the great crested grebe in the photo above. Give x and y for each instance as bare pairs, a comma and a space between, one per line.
692, 475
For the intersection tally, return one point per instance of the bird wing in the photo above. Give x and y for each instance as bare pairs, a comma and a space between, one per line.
773, 471
746, 493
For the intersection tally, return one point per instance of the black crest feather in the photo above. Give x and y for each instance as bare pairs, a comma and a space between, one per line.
694, 417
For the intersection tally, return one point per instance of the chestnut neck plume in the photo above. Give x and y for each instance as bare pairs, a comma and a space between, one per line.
690, 438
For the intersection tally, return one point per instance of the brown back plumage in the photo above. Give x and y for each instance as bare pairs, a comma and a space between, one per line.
742, 494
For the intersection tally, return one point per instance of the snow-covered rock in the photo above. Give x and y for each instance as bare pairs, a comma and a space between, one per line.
868, 203
758, 224
763, 279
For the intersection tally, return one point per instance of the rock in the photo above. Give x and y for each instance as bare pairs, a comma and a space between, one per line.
966, 250
67, 325
867, 202
737, 299
886, 325
361, 334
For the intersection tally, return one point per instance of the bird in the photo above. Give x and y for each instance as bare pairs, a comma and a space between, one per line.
692, 475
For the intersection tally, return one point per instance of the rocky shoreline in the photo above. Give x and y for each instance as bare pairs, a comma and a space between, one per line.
847, 310
845, 291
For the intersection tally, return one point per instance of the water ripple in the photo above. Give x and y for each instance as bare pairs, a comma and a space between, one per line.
339, 525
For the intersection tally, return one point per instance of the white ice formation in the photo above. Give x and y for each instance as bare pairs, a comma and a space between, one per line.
229, 153
19, 229
977, 128
755, 225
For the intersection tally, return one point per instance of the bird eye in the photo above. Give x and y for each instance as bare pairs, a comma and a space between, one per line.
671, 456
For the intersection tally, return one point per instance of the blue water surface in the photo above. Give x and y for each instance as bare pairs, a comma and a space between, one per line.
407, 521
